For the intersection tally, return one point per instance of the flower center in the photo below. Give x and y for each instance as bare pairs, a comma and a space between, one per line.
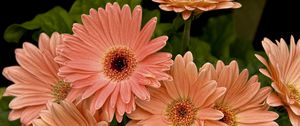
60, 90
294, 92
229, 115
119, 63
181, 112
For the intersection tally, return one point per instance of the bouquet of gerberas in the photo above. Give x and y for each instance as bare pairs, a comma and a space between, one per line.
113, 67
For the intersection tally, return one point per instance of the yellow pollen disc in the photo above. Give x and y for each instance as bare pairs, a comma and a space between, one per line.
229, 116
181, 112
60, 90
119, 63
294, 92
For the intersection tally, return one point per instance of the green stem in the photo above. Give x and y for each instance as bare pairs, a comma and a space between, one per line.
186, 35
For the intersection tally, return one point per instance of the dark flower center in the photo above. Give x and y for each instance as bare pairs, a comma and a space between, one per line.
119, 63
181, 113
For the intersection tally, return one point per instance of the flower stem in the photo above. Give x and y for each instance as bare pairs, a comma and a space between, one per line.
186, 35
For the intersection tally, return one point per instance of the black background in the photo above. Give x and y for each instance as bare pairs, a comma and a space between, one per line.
280, 19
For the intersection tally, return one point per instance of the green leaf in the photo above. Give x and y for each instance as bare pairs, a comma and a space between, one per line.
131, 3
149, 14
240, 48
162, 29
283, 119
56, 19
1, 92
14, 32
83, 6
4, 110
201, 51
220, 34
125, 120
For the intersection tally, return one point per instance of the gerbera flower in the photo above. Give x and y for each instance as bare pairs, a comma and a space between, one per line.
283, 68
36, 80
243, 104
112, 60
187, 7
185, 101
67, 114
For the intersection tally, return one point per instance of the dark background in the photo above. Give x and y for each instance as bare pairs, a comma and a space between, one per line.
280, 19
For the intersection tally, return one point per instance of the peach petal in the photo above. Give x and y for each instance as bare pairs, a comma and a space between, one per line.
217, 94
244, 98
19, 89
30, 113
186, 14
95, 87
259, 124
146, 33
165, 7
295, 108
214, 123
15, 114
205, 91
274, 100
125, 89
210, 114
256, 116
29, 100
150, 122
153, 46
101, 97
295, 120
140, 91
43, 42
139, 114
114, 96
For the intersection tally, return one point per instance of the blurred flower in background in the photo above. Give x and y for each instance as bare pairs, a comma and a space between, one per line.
283, 68
187, 7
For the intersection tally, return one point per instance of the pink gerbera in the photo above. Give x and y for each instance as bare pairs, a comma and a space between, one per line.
113, 60
243, 104
36, 80
188, 100
283, 68
187, 7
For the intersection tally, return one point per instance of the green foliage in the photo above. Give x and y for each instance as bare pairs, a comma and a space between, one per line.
125, 120
1, 92
201, 52
149, 14
131, 3
57, 19
220, 34
4, 111
82, 7
283, 119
